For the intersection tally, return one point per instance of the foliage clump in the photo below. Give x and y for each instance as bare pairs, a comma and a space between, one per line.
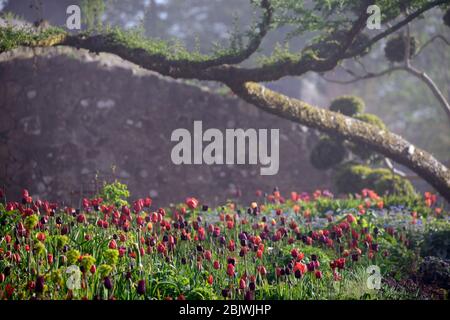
351, 178
395, 48
437, 242
115, 193
347, 105
327, 153
446, 18
435, 271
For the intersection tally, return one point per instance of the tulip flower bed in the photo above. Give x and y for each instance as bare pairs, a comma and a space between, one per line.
304, 247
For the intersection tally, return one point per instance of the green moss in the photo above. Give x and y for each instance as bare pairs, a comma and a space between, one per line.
372, 119
347, 105
11, 37
280, 55
173, 50
327, 153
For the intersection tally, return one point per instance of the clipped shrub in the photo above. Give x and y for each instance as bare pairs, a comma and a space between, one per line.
371, 119
436, 243
435, 271
328, 45
327, 153
362, 151
351, 178
446, 18
395, 48
347, 105
383, 181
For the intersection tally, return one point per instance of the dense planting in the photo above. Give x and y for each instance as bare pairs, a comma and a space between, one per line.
306, 246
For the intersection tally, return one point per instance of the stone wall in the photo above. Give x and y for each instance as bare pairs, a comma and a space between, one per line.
69, 116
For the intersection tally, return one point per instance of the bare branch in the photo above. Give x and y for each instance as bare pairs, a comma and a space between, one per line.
433, 87
432, 39
369, 75
396, 27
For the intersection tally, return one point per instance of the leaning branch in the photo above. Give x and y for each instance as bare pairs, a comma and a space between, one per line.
336, 124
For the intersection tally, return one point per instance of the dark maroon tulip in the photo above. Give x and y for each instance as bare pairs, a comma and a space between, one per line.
107, 283
225, 293
39, 288
287, 271
252, 286
141, 287
249, 295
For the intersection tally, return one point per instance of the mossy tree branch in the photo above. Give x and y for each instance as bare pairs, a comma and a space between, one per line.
336, 124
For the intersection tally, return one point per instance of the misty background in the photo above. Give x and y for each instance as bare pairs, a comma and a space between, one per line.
403, 102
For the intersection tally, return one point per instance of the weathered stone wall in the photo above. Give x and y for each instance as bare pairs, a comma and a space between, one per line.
67, 115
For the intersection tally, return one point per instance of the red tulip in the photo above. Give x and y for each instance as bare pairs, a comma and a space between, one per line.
112, 244
259, 254
9, 290
93, 269
161, 248
147, 202
300, 267
208, 255
81, 218
230, 270
318, 274
41, 236
192, 203
50, 258
25, 193
350, 218
262, 270
210, 279
216, 265
242, 284
140, 221
231, 245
